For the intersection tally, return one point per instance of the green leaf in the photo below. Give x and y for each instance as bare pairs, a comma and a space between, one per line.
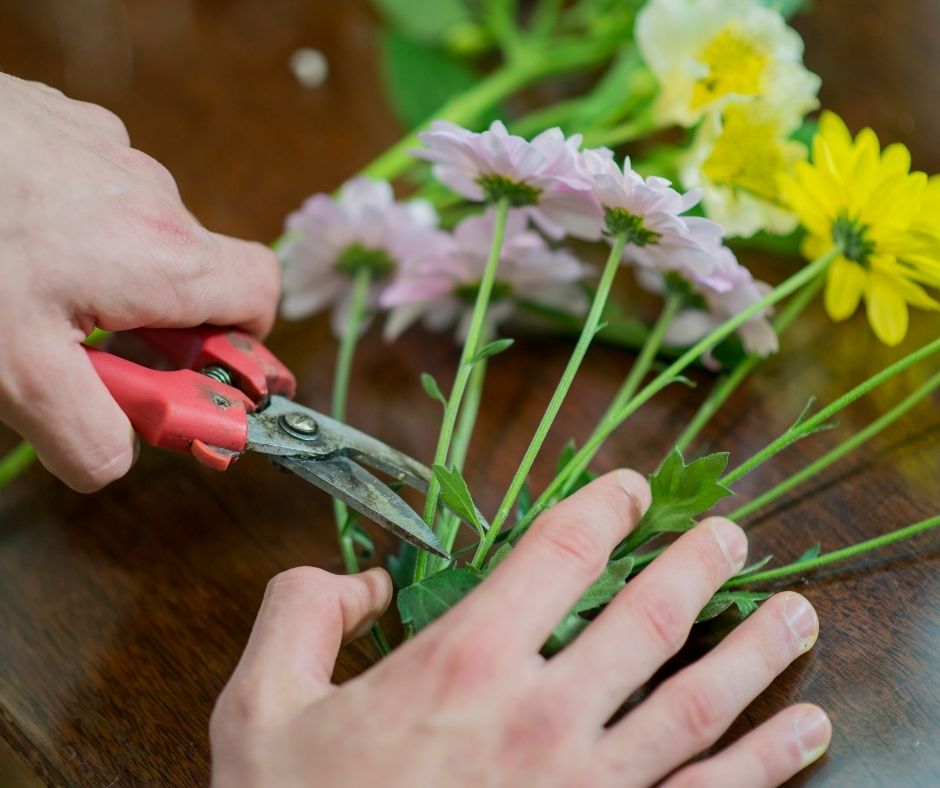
607, 586
423, 602
432, 389
567, 454
490, 349
680, 493
497, 558
362, 540
425, 20
627, 84
746, 602
810, 554
749, 570
419, 79
570, 627
523, 502
798, 425
456, 494
401, 566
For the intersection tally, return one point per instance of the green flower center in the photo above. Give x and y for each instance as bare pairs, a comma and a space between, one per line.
468, 292
497, 187
620, 221
854, 240
357, 258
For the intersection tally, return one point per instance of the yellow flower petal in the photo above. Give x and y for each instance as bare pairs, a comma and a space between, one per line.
887, 310
844, 288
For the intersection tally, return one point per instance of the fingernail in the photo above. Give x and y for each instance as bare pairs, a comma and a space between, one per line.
800, 618
731, 541
814, 731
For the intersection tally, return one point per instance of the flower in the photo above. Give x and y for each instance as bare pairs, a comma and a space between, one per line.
707, 53
442, 290
329, 240
648, 212
730, 290
542, 175
884, 217
736, 158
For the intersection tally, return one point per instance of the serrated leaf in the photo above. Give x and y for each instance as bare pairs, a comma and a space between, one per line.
420, 79
607, 586
497, 558
432, 389
811, 553
745, 601
490, 349
421, 603
456, 494
680, 493
749, 570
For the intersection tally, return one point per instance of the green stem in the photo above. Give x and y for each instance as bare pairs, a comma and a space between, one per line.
859, 438
628, 131
797, 567
344, 361
727, 385
577, 464
807, 427
464, 369
450, 523
17, 460
554, 405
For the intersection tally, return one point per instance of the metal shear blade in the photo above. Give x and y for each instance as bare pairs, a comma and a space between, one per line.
355, 486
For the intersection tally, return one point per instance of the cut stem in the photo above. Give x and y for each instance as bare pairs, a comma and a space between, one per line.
856, 440
813, 423
809, 564
464, 369
577, 464
554, 405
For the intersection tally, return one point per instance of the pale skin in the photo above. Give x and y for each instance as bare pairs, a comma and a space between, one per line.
93, 233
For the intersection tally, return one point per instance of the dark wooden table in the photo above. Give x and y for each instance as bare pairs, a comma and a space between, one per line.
123, 613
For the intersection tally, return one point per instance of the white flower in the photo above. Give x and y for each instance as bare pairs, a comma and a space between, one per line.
441, 291
730, 290
330, 239
706, 53
737, 159
542, 175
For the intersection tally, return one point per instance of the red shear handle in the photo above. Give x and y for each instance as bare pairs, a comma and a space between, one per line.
180, 410
254, 369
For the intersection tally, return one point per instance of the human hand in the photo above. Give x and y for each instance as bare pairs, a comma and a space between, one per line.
93, 233
470, 701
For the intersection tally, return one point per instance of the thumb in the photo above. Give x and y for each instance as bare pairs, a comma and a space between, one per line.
306, 616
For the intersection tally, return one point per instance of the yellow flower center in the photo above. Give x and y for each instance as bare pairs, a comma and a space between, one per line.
735, 65
747, 155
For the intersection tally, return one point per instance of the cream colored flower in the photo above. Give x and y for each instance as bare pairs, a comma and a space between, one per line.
737, 159
706, 53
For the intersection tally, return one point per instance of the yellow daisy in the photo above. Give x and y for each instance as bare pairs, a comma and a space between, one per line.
885, 217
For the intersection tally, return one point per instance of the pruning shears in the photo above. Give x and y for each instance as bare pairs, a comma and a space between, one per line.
230, 395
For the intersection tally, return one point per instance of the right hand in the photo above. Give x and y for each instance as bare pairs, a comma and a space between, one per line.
470, 702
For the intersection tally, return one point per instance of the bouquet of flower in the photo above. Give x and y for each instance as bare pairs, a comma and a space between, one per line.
720, 93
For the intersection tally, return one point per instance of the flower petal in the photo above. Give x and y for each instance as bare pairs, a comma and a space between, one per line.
887, 310
844, 288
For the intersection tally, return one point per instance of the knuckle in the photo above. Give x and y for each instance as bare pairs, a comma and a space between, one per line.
171, 224
699, 711
663, 620
535, 726
692, 777
97, 475
105, 119
577, 543
144, 164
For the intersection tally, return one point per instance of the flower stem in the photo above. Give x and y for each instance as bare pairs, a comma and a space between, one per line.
344, 361
632, 129
17, 460
579, 462
465, 368
728, 383
856, 440
803, 428
798, 567
554, 405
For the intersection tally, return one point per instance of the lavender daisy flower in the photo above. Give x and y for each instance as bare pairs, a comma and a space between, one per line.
728, 291
542, 176
331, 239
441, 291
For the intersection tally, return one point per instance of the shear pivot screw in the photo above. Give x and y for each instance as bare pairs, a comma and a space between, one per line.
299, 424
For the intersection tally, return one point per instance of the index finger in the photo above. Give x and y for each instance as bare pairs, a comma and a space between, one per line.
561, 555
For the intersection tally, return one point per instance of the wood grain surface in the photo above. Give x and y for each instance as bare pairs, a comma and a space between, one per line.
123, 613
